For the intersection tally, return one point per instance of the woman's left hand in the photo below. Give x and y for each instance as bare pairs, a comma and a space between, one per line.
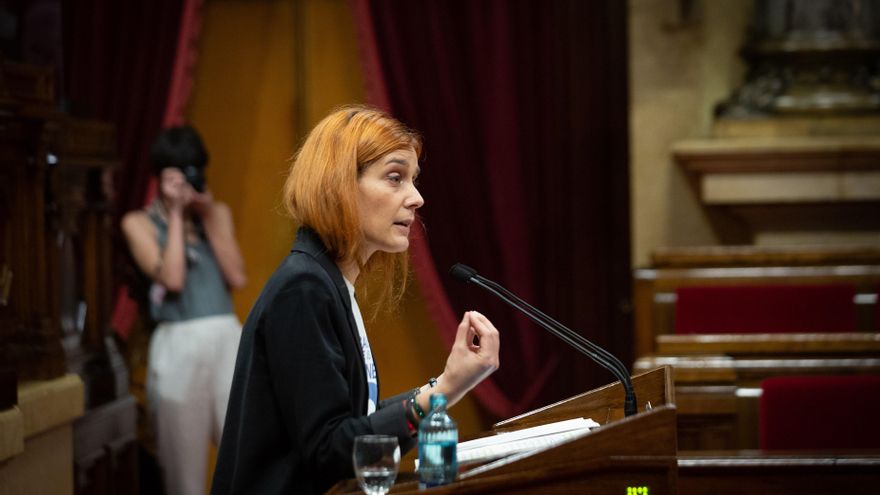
202, 203
474, 356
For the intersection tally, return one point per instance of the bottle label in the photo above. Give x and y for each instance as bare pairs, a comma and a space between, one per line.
438, 463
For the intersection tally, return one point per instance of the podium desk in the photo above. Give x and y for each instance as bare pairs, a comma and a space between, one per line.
626, 455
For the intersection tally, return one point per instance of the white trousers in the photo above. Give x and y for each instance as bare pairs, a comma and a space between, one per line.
189, 375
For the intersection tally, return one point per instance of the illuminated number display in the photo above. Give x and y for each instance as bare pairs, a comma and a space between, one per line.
637, 490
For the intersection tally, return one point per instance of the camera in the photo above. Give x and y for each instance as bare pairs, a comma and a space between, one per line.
195, 177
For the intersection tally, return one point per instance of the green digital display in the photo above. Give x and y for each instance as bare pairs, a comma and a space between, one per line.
637, 490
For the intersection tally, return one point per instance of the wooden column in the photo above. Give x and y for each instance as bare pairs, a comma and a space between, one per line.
56, 226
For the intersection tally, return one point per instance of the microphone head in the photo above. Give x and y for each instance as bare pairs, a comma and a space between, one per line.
462, 273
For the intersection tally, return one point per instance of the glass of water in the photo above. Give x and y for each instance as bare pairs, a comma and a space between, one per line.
376, 460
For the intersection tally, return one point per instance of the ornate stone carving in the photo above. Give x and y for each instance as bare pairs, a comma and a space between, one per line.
810, 56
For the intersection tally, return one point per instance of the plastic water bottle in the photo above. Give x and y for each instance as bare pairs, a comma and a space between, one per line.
438, 440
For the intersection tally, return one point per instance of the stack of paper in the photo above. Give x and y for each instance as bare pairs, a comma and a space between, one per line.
524, 440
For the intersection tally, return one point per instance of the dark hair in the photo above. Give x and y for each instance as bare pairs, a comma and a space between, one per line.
178, 147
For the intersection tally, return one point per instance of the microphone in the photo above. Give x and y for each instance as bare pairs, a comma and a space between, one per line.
466, 274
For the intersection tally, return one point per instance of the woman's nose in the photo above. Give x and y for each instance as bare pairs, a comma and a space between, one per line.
415, 199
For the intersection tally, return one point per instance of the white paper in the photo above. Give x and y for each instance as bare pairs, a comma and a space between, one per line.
524, 440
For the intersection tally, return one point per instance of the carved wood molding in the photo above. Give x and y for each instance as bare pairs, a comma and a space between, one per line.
750, 256
778, 154
771, 344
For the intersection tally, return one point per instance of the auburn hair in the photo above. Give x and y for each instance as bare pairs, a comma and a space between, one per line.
321, 190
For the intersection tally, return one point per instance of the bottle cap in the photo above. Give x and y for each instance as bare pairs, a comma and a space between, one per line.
437, 400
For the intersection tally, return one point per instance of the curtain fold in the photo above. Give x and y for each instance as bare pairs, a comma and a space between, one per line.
523, 107
130, 63
437, 303
185, 57
118, 62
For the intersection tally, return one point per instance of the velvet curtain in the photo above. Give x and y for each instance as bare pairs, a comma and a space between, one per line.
130, 63
118, 64
523, 106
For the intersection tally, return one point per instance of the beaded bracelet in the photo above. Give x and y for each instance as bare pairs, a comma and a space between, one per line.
410, 419
413, 404
417, 408
411, 409
432, 382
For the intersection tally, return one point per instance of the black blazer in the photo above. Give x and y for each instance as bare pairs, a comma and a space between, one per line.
299, 394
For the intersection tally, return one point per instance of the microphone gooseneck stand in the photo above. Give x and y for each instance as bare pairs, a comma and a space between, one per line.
604, 358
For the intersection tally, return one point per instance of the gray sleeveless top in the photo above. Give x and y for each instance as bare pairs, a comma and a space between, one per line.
204, 291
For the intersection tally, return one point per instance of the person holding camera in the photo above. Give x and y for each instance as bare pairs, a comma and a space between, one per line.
184, 242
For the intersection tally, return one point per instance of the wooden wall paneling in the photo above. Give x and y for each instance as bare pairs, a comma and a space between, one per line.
9, 265
34, 346
56, 230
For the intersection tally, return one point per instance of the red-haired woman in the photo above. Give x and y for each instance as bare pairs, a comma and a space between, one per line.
305, 384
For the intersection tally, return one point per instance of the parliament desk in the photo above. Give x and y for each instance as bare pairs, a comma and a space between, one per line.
629, 454
713, 473
624, 453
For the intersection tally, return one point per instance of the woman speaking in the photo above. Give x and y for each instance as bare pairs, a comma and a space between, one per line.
305, 384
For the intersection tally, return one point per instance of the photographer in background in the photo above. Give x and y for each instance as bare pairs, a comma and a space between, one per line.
184, 243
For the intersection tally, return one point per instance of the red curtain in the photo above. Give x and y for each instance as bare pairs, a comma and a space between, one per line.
524, 109
130, 63
118, 64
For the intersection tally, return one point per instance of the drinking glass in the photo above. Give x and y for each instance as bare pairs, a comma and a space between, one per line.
376, 459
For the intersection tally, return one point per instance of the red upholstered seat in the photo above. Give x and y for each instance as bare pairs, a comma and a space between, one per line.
820, 412
765, 309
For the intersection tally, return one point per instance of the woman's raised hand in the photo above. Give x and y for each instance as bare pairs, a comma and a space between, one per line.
202, 203
176, 190
474, 356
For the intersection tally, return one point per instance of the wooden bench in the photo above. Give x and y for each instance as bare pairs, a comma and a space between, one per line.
655, 288
718, 377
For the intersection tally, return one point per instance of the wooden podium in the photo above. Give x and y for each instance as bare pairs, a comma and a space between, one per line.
634, 455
